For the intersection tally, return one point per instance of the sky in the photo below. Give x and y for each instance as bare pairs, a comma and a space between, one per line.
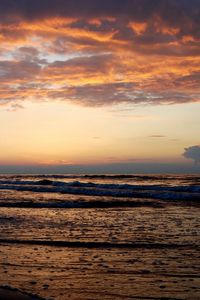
90, 85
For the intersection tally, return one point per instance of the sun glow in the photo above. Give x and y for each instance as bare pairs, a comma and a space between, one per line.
97, 88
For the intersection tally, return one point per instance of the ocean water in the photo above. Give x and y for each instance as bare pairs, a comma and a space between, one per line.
101, 236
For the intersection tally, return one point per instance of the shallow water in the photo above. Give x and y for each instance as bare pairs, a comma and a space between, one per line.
97, 237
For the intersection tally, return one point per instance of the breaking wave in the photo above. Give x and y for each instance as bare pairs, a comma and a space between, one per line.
153, 191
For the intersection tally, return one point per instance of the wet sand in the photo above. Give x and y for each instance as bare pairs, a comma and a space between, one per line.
112, 253
60, 273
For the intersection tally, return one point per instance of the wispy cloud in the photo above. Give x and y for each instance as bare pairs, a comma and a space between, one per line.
157, 136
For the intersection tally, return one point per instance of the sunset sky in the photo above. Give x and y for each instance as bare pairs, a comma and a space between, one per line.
91, 82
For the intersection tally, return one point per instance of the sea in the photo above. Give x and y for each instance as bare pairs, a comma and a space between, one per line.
101, 237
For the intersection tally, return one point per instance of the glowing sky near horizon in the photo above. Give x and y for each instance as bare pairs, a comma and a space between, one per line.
85, 82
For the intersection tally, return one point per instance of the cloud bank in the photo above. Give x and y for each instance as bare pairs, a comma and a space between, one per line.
95, 53
193, 153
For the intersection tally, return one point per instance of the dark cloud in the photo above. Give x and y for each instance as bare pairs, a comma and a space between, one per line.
88, 64
167, 22
95, 94
192, 80
29, 54
193, 153
18, 70
40, 9
139, 8
115, 93
170, 11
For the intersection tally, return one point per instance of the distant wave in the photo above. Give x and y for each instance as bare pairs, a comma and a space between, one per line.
109, 176
185, 192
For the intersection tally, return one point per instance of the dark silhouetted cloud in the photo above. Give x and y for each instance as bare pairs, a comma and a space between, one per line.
193, 153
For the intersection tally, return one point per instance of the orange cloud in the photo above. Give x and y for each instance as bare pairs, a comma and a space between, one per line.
98, 60
138, 28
